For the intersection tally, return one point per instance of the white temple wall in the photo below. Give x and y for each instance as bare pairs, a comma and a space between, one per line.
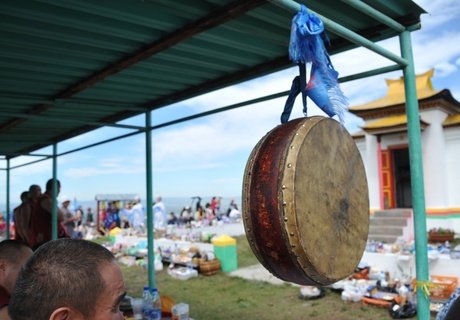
441, 167
393, 139
434, 159
452, 167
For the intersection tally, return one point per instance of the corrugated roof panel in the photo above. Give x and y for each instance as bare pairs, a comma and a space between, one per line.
31, 43
33, 87
144, 53
79, 21
158, 79
142, 13
41, 30
125, 96
147, 67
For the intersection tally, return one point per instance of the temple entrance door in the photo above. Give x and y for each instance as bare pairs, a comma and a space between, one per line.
402, 179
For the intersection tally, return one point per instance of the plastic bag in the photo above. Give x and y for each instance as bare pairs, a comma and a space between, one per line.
405, 311
311, 292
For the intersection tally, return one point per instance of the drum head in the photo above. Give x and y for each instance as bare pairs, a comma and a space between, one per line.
315, 191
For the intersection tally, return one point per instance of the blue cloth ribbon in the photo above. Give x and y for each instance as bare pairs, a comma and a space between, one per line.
307, 46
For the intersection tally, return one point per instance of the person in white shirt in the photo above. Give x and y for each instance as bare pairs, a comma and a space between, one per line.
138, 215
159, 214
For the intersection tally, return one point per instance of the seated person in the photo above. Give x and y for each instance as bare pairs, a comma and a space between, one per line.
13, 255
69, 279
172, 219
185, 216
451, 309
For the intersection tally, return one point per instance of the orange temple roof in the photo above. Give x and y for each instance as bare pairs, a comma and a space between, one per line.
395, 92
452, 120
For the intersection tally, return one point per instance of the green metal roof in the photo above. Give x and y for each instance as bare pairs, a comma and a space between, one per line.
70, 66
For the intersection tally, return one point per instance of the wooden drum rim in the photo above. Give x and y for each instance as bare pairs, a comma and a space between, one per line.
270, 198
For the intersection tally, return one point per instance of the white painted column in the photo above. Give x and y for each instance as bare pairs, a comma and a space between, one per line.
372, 171
434, 159
452, 168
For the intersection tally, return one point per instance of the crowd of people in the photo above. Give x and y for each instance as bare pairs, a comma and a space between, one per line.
132, 214
207, 215
33, 217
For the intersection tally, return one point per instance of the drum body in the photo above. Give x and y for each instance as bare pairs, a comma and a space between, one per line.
305, 202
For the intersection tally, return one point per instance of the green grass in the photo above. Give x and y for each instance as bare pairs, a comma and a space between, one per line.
221, 297
246, 257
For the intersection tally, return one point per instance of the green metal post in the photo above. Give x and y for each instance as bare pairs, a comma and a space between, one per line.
369, 73
150, 229
416, 170
8, 198
54, 193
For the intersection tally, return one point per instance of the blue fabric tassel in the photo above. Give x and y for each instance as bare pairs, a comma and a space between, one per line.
307, 46
323, 89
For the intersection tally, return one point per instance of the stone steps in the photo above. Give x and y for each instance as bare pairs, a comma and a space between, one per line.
382, 238
389, 225
386, 230
383, 221
393, 213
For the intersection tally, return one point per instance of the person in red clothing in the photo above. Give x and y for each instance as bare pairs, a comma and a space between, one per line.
20, 232
42, 217
23, 214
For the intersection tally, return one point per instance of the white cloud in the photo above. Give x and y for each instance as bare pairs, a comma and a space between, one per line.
435, 51
264, 86
91, 137
439, 12
190, 167
107, 166
445, 69
216, 138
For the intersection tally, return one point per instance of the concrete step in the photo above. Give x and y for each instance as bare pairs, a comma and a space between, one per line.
386, 230
393, 213
389, 225
379, 221
382, 238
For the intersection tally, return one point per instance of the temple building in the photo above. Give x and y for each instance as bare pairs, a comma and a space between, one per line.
383, 143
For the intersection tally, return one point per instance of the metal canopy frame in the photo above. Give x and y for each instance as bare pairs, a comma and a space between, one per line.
228, 12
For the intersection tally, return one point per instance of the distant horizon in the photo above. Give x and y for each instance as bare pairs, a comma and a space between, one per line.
171, 201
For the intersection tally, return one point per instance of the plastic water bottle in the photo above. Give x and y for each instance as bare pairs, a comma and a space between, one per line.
156, 305
147, 303
151, 304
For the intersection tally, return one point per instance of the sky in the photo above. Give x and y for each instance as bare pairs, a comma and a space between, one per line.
207, 156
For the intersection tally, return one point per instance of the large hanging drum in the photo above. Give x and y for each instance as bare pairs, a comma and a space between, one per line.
305, 202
